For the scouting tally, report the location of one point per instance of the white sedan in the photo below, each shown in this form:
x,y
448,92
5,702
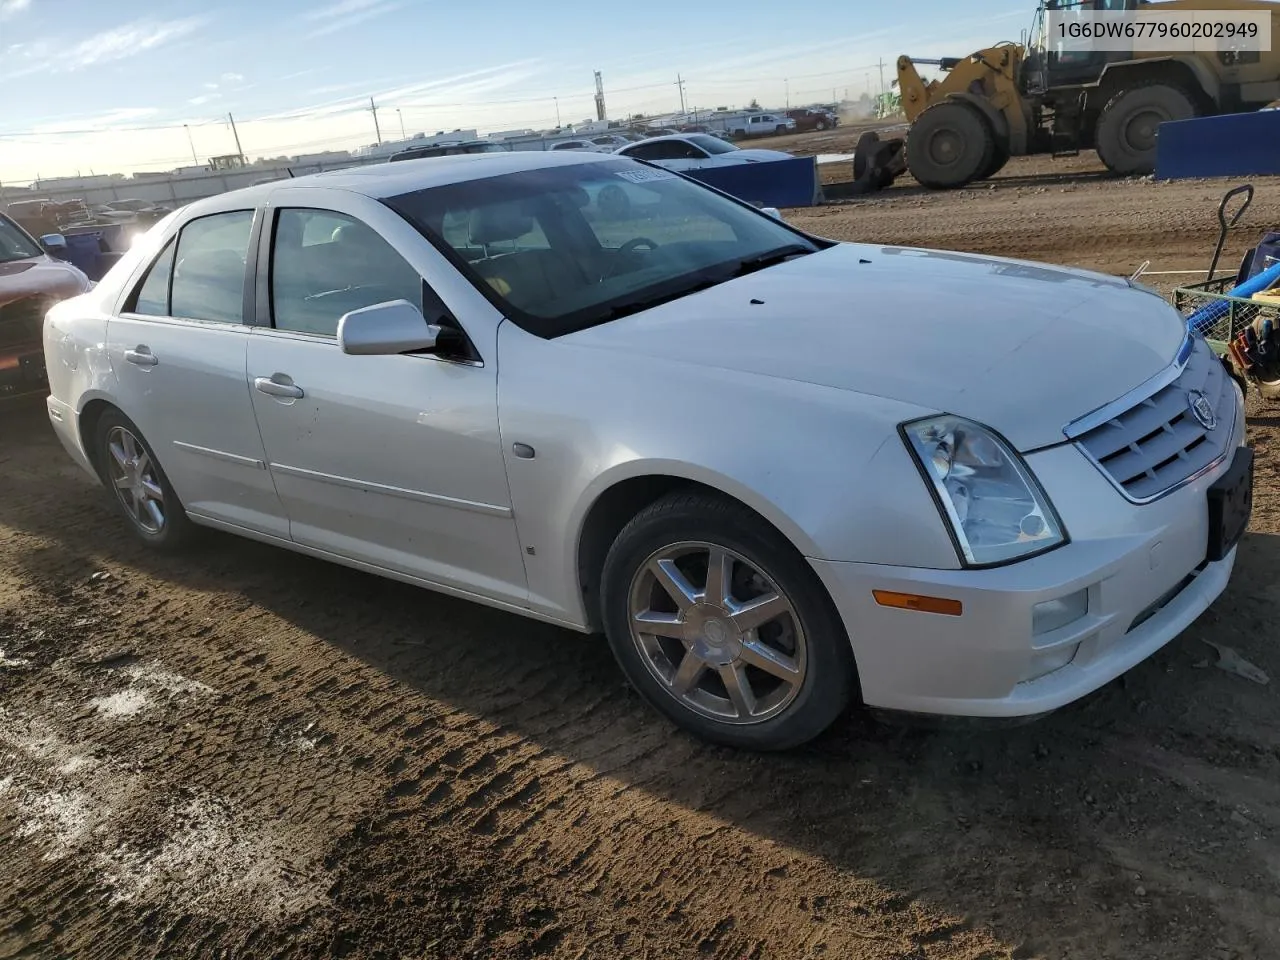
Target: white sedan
x,y
696,151
779,473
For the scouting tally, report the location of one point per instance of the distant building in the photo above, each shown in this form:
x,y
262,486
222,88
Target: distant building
x,y
77,183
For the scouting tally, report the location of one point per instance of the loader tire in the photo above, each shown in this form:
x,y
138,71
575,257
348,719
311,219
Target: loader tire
x,y
999,157
1127,128
950,145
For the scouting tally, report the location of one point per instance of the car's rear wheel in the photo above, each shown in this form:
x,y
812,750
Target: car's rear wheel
x,y
138,484
720,623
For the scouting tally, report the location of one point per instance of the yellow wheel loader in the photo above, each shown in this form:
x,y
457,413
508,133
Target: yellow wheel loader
x,y
1043,97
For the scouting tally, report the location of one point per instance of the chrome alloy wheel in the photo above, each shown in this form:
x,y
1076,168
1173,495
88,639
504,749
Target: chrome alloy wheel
x,y
717,632
133,477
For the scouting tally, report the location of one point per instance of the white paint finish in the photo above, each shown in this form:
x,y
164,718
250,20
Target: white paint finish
x,y
969,335
196,395
391,460
783,388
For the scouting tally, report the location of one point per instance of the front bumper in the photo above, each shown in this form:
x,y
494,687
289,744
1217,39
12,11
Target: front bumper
x,y
1142,567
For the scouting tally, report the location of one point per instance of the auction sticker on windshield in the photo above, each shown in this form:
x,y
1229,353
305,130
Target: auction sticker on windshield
x,y
645,176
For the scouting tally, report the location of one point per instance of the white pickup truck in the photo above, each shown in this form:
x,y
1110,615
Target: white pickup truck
x,y
760,125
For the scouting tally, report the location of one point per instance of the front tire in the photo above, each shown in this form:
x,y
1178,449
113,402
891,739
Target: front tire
x,y
722,625
1126,133
139,488
950,145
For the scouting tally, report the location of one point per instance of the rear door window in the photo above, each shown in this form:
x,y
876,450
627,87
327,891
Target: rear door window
x,y
209,268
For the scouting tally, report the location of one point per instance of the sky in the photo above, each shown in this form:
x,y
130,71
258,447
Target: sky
x,y
123,85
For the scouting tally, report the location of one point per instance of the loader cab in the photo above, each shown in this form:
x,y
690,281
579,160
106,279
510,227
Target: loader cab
x,y
1061,62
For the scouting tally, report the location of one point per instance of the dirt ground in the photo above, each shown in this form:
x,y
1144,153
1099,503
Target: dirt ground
x,y
246,753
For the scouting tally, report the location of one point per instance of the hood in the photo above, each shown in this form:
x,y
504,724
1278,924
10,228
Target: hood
x,y
40,276
752,155
1021,347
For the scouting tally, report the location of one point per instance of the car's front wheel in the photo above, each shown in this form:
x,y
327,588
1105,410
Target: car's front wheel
x,y
720,623
142,492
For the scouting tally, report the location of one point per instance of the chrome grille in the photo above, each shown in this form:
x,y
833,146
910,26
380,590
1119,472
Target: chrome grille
x,y
1158,443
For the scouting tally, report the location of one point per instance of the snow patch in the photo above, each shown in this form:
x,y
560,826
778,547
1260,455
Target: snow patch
x,y
126,703
152,675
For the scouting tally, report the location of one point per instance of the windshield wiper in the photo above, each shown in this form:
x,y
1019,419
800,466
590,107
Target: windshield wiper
x,y
628,307
710,278
752,264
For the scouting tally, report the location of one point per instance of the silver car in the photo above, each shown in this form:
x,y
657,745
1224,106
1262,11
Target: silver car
x,y
779,473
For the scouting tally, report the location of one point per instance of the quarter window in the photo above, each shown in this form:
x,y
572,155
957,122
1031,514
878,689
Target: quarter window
x,y
152,296
326,264
208,273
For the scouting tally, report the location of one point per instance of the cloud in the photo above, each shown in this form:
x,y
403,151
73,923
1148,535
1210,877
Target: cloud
x,y
341,9
203,99
232,78
346,14
100,121
11,8
118,43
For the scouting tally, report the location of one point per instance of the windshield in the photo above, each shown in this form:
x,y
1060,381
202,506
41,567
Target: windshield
x,y
713,145
15,244
567,247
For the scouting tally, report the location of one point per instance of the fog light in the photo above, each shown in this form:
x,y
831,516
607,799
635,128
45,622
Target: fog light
x,y
1044,662
1055,614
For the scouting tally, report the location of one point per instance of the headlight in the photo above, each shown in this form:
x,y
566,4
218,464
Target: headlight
x,y
994,505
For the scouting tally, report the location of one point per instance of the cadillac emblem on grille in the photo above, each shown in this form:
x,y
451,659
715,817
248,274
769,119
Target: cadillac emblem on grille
x,y
1202,409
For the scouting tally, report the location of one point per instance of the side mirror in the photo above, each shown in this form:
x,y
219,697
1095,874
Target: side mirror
x,y
385,329
54,244
772,212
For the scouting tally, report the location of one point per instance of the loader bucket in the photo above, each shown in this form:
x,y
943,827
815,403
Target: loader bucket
x,y
877,163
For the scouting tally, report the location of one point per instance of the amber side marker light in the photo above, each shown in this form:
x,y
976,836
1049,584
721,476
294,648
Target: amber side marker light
x,y
919,603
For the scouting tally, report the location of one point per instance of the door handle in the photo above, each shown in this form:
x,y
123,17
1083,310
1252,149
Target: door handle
x,y
142,356
274,387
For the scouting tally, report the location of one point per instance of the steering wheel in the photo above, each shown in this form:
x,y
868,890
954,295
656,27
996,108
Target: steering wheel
x,y
626,250
634,244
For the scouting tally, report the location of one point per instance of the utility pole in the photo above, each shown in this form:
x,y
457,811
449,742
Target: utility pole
x,y
557,100
882,76
234,133
376,129
787,81
191,141
680,84
403,135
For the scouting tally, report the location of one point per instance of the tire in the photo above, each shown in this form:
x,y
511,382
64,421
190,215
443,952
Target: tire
x,y
780,129
820,125
1126,132
120,450
809,678
863,152
999,157
949,146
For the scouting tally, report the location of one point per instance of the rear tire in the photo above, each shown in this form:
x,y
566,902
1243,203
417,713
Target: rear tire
x,y
684,641
1127,128
950,145
820,125
138,486
999,157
